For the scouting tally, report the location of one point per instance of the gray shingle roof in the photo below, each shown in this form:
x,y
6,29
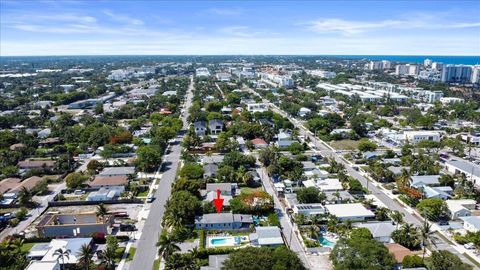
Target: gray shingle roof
x,y
466,166
117,171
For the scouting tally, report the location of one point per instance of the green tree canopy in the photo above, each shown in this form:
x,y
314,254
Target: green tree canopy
x,y
75,179
361,252
192,171
432,208
252,258
310,195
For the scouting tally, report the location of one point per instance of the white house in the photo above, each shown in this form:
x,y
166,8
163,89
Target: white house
x,y
304,112
419,181
381,231
266,237
329,184
471,170
471,224
421,135
349,211
309,209
257,107
46,252
39,265
460,208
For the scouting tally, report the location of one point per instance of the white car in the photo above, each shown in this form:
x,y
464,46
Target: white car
x,y
469,246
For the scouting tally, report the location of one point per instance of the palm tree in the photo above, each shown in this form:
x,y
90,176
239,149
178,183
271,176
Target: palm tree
x,y
315,219
25,196
337,196
425,233
15,244
102,211
313,231
403,180
85,255
107,257
397,217
167,246
195,258
61,254
332,223
171,220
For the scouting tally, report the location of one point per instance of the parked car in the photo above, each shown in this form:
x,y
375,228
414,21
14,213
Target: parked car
x,y
150,198
443,222
127,228
469,246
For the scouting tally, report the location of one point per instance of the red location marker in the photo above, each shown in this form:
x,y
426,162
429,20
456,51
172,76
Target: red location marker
x,y
218,202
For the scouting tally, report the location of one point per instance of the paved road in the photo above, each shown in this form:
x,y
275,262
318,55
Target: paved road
x,y
146,246
391,204
291,239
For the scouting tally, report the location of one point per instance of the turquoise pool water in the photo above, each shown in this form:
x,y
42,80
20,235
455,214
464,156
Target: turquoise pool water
x,y
326,243
224,241
218,241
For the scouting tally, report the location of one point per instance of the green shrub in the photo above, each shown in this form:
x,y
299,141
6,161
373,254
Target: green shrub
x,y
14,222
203,236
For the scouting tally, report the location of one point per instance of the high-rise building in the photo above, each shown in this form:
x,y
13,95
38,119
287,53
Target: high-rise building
x,y
437,65
427,62
407,69
457,74
476,74
384,64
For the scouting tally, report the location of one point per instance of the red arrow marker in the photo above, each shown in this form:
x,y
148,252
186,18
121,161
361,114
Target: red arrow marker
x,y
218,202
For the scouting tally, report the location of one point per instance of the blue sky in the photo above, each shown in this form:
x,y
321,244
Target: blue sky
x,y
239,27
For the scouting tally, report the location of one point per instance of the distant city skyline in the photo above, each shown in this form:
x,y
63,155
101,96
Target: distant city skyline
x,y
246,27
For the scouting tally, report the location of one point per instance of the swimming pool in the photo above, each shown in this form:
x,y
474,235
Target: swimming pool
x,y
223,241
326,243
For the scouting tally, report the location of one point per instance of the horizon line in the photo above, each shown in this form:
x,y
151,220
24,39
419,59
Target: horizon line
x,y
59,55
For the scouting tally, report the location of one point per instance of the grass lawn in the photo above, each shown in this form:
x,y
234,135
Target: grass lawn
x,y
156,264
119,254
27,246
344,144
143,193
248,190
131,253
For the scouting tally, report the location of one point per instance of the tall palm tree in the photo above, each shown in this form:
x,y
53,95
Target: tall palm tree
x,y
332,223
397,217
85,255
61,254
16,244
425,233
167,245
25,196
313,231
315,219
102,211
195,258
107,257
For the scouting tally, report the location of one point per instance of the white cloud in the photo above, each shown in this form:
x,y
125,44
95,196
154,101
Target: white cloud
x,y
225,11
348,27
412,21
123,18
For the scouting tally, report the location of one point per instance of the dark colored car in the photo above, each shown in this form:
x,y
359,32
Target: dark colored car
x,y
127,228
443,222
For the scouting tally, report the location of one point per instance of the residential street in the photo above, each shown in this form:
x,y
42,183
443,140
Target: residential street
x,y
391,204
146,245
287,230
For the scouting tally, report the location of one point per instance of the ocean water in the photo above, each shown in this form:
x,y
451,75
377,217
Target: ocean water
x,y
466,60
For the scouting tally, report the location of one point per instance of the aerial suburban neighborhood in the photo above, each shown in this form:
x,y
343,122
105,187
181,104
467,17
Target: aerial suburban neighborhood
x,y
142,161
